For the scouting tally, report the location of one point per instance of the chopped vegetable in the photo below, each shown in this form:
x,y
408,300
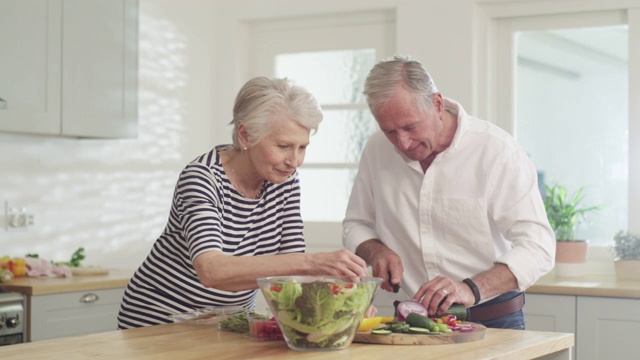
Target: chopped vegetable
x,y
369,323
76,259
239,322
407,307
418,330
381,332
418,320
264,329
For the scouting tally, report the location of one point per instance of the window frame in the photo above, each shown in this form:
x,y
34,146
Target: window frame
x,y
316,33
495,69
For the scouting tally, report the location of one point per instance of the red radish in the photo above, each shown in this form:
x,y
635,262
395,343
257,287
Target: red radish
x,y
407,307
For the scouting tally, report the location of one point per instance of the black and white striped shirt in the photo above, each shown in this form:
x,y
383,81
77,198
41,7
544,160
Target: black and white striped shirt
x,y
208,214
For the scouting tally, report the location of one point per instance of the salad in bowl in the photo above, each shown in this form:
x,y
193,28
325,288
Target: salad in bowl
x,y
319,313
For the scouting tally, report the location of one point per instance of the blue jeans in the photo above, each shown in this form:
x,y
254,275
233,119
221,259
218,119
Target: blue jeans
x,y
513,321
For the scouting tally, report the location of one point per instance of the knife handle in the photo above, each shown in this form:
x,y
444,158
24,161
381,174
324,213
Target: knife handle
x,y
395,287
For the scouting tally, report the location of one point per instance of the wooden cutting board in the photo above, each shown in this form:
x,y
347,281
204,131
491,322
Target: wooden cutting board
x,y
422,339
87,271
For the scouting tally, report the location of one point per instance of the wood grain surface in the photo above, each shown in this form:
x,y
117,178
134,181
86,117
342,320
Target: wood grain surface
x,y
89,271
45,285
423,339
201,340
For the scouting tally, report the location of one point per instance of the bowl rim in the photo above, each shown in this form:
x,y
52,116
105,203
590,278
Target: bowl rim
x,y
323,278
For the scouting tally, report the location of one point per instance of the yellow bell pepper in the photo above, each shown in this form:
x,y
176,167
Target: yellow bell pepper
x,y
19,267
369,323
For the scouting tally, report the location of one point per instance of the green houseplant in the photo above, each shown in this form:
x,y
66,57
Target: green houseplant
x,y
565,212
626,253
626,246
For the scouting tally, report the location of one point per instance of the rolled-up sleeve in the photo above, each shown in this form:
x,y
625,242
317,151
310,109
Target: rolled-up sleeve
x,y
518,210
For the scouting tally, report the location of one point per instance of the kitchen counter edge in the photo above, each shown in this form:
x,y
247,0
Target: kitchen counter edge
x,y
44,285
587,285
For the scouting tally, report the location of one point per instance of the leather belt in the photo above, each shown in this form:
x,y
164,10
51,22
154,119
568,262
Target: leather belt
x,y
493,311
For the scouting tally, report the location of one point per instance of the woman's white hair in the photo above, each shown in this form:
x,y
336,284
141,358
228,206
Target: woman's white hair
x,y
261,100
399,71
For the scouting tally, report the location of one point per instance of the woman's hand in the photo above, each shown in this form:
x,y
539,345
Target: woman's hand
x,y
338,263
371,312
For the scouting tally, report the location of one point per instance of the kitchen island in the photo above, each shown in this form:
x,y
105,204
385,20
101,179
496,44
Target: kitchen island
x,y
201,339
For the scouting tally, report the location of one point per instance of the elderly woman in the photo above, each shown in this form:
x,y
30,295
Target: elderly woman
x,y
235,214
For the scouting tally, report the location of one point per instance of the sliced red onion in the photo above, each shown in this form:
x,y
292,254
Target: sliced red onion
x,y
407,307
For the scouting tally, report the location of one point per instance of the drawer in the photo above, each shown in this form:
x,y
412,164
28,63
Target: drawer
x,y
76,313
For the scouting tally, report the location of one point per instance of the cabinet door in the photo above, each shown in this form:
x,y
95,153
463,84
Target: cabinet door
x,y
76,313
608,328
99,79
30,65
555,313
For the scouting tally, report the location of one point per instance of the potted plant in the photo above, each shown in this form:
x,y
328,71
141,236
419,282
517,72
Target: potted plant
x,y
565,213
626,252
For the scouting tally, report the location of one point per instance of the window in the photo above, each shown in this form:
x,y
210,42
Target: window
x,y
575,97
563,90
332,159
330,56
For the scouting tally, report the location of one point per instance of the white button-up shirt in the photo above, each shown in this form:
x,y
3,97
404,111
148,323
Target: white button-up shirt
x,y
477,204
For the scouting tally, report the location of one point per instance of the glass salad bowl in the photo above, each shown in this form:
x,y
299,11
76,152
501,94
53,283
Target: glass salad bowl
x,y
318,313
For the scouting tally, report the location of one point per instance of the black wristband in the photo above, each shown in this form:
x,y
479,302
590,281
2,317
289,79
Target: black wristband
x,y
474,289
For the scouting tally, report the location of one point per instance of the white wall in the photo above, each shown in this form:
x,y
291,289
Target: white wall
x,y
113,196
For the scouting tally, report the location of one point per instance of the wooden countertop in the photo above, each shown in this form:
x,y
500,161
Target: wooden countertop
x,y
201,339
44,285
588,285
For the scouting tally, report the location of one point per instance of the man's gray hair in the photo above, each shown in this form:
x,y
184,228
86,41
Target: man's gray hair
x,y
388,75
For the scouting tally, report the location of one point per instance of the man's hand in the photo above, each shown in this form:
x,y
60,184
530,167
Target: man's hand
x,y
385,263
438,294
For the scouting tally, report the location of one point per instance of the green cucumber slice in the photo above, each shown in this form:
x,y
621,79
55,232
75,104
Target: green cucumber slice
x,y
381,332
418,330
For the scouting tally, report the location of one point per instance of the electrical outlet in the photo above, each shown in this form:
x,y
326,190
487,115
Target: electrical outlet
x,y
17,217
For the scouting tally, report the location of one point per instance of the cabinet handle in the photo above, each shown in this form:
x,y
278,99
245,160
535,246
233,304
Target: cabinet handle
x,y
3,104
89,298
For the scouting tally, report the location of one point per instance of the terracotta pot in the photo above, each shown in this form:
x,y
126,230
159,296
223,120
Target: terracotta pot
x,y
571,257
571,251
627,269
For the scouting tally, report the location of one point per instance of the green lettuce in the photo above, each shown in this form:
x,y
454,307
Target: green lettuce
x,y
320,314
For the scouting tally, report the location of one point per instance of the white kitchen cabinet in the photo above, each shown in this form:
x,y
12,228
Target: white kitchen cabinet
x,y
605,328
74,313
556,313
608,328
71,68
30,66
